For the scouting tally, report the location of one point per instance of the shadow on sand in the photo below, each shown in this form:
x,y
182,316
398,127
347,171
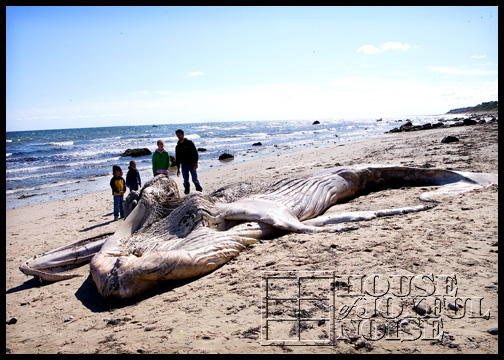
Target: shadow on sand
x,y
28,284
98,225
89,296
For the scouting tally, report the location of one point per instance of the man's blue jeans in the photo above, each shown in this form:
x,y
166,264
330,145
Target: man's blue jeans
x,y
118,209
186,169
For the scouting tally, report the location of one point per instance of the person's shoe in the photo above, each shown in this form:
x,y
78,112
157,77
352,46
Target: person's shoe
x,y
115,218
200,189
186,191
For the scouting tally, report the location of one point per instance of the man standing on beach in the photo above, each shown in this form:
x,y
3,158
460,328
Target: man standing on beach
x,y
187,157
160,160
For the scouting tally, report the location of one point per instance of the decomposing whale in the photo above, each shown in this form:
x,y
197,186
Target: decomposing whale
x,y
166,237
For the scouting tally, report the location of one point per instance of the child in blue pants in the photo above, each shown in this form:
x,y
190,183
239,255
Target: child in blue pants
x,y
133,180
118,185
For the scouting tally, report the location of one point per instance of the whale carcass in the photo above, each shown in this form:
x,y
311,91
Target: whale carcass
x,y
166,237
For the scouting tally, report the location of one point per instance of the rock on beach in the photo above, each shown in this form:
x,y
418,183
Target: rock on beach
x,y
136,152
226,156
449,139
472,120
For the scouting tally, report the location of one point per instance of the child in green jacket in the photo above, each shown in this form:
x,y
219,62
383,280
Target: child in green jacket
x,y
160,160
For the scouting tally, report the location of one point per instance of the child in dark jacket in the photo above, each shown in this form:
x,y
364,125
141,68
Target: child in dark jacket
x,y
133,180
118,186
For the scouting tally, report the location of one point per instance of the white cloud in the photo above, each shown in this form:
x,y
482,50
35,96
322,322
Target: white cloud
x,y
394,46
195,73
368,49
371,49
478,56
461,71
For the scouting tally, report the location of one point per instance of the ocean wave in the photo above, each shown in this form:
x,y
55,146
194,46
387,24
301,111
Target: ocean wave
x,y
40,153
90,153
75,164
12,159
237,128
21,178
39,187
216,140
60,143
89,162
34,168
207,127
192,136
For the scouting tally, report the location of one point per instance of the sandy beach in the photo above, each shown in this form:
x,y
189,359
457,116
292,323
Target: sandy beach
x,y
223,312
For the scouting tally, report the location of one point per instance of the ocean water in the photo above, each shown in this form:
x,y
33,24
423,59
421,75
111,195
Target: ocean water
x,y
49,165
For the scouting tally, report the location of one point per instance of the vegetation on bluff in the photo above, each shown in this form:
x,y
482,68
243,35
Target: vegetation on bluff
x,y
486,106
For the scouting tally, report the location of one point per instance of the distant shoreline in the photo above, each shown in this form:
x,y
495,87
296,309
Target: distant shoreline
x,y
477,113
484,107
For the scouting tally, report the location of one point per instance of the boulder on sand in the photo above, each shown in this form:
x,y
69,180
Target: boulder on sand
x,y
226,156
449,139
136,152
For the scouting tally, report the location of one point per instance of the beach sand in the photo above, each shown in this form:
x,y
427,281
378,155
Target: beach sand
x,y
223,312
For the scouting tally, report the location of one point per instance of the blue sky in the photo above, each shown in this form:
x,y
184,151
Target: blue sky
x,y
72,67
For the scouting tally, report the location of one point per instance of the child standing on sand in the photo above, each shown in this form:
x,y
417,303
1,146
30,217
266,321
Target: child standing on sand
x,y
118,186
133,180
160,160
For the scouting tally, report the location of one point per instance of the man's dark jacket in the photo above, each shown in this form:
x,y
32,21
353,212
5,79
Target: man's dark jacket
x,y
186,153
